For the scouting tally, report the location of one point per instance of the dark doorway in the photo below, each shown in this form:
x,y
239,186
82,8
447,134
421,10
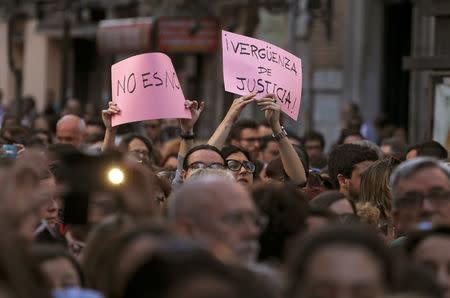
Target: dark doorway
x,y
84,65
397,44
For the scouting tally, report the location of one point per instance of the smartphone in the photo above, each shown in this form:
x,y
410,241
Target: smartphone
x,y
9,151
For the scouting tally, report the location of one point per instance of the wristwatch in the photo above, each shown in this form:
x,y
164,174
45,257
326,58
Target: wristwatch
x,y
277,137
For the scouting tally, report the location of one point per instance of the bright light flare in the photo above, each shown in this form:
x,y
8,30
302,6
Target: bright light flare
x,y
115,176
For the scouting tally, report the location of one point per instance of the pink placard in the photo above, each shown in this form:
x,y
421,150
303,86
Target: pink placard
x,y
251,65
146,87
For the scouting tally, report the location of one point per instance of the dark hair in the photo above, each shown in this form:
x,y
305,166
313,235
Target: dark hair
x,y
398,147
275,168
265,141
167,273
416,237
346,133
200,147
433,149
153,151
43,253
343,158
314,136
286,207
354,236
235,133
324,200
228,150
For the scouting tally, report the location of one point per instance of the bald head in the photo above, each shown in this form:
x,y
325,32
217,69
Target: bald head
x,y
70,129
215,209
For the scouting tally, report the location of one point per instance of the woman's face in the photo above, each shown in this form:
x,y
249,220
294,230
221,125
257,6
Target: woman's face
x,y
342,271
49,210
61,273
243,175
138,150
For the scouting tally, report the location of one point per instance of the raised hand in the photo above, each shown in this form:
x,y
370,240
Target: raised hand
x,y
107,114
272,109
188,124
238,105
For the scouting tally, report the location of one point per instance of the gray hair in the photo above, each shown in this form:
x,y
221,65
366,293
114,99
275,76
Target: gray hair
x,y
202,172
81,123
185,200
408,168
371,145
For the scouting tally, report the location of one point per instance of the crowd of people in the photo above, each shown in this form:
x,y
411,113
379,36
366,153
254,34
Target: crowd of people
x,y
147,209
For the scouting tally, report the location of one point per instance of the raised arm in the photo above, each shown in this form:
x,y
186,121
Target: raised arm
x,y
187,138
110,133
291,162
223,130
187,126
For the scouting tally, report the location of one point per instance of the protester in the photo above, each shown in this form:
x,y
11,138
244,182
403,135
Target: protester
x,y
430,248
341,261
420,193
314,144
346,163
60,269
70,129
239,163
335,202
234,224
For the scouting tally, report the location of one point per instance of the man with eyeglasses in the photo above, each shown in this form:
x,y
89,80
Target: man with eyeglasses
x,y
218,212
202,156
420,192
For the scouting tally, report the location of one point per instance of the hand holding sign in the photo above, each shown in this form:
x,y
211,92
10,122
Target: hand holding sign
x,y
187,125
238,105
251,65
146,87
271,108
109,113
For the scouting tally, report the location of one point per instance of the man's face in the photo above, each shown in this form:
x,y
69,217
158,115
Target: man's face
x,y
68,134
352,184
313,148
208,157
230,220
250,141
153,128
425,196
270,152
433,253
341,271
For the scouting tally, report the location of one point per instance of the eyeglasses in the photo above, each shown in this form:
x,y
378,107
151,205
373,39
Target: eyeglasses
x,y
413,201
237,219
251,140
236,165
202,165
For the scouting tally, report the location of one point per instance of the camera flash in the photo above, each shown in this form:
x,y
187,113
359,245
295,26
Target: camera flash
x,y
116,176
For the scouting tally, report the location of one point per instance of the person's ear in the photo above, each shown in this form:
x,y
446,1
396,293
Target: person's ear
x,y
184,175
342,181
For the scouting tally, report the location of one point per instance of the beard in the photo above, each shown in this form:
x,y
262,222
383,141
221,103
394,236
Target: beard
x,y
353,193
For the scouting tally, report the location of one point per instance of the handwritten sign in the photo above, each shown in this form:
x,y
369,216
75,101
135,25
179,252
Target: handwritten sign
x,y
146,87
251,65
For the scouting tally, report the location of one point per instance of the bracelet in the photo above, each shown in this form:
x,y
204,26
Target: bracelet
x,y
277,137
187,136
